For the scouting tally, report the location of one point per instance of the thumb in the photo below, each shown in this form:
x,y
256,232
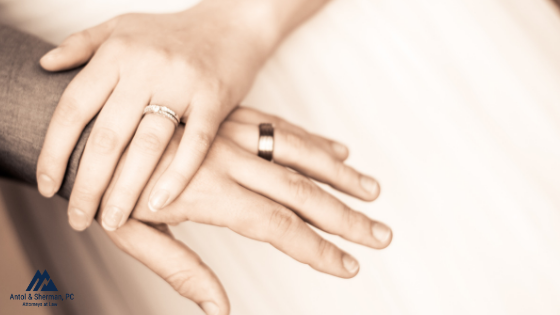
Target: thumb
x,y
177,264
77,48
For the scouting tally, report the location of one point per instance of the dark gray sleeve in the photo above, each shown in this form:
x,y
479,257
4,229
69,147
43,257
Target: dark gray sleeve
x,y
28,97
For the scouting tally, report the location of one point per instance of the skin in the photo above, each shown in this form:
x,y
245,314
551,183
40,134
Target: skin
x,y
200,63
277,207
201,68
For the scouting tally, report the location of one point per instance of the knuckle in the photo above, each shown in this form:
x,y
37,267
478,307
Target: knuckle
x,y
182,281
162,55
354,225
282,221
178,178
295,141
325,252
118,44
215,85
301,188
349,218
277,121
324,248
125,192
201,141
341,171
83,194
148,142
49,163
68,112
104,140
83,36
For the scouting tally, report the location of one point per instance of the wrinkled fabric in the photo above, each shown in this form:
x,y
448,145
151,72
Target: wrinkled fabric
x,y
28,97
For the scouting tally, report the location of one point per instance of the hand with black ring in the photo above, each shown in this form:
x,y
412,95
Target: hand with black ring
x,y
274,202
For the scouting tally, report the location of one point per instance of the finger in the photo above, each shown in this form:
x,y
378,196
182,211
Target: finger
x,y
246,213
79,103
254,216
142,203
112,131
77,48
311,202
305,155
199,134
175,263
265,220
144,152
248,115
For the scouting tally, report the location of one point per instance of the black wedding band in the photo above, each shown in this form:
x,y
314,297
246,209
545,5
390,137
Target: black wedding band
x,y
266,141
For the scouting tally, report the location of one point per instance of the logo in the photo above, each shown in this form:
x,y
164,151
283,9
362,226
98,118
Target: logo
x,y
43,281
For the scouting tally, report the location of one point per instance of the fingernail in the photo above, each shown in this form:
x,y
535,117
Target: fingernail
x,y
78,219
350,263
112,218
369,184
158,200
340,148
381,232
46,186
210,308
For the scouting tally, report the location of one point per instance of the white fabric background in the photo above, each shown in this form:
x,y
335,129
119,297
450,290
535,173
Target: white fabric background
x,y
452,104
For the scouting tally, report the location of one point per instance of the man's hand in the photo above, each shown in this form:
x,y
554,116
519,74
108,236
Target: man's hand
x,y
266,201
155,247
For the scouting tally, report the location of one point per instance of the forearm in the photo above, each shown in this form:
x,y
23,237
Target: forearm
x,y
28,97
270,21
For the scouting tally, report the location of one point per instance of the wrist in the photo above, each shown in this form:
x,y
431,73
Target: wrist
x,y
265,22
250,21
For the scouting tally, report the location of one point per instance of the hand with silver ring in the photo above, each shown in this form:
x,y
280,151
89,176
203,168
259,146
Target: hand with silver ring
x,y
268,202
198,64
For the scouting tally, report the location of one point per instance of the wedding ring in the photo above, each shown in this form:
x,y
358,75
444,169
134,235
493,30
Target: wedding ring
x,y
266,141
162,111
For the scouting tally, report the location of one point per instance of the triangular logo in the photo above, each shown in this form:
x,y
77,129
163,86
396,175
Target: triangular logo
x,y
39,282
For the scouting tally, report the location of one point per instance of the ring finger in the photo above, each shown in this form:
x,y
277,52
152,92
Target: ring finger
x,y
305,155
248,115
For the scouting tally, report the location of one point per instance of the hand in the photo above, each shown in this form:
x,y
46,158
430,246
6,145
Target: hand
x,y
199,63
258,199
268,202
155,247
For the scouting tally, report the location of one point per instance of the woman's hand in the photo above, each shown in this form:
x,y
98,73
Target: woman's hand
x,y
199,63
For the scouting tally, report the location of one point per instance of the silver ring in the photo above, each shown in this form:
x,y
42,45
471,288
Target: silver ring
x,y
266,141
162,111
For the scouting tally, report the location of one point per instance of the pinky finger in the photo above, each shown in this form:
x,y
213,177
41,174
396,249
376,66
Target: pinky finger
x,y
175,263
